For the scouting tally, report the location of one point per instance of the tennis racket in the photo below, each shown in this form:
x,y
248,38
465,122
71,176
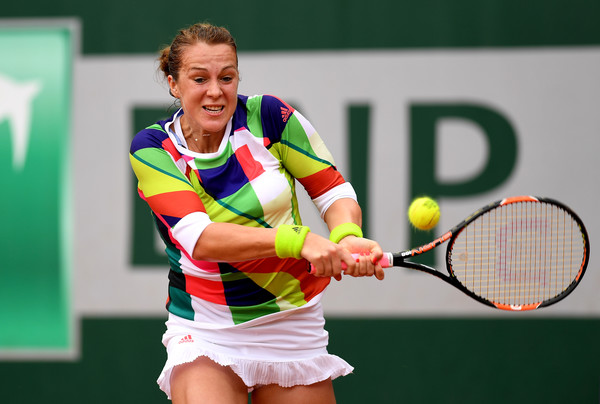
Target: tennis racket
x,y
519,253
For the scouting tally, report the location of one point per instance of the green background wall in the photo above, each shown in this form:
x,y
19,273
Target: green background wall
x,y
114,26
397,360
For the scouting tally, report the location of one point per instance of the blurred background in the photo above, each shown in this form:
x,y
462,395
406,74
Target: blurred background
x,y
468,101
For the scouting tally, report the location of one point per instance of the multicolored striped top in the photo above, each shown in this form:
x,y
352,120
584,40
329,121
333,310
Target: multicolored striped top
x,y
249,181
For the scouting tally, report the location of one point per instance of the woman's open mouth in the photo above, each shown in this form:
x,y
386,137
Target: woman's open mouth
x,y
213,109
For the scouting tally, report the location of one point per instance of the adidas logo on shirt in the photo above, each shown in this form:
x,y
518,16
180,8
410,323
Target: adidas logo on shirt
x,y
285,114
187,338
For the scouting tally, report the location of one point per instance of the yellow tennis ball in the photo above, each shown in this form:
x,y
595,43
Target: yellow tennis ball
x,y
424,213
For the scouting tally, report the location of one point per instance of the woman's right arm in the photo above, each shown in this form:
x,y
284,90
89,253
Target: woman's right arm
x,y
174,201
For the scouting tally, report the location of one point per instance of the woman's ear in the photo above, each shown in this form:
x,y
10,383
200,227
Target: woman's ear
x,y
173,90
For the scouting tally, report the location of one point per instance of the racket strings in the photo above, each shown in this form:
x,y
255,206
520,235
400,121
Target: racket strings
x,y
519,254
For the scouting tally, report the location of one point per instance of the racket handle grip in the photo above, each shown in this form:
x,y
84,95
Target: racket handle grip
x,y
386,261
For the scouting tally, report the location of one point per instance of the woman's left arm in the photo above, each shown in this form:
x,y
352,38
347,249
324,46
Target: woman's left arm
x,y
305,156
347,210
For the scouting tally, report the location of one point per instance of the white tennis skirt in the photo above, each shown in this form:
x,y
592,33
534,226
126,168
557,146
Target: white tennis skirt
x,y
287,348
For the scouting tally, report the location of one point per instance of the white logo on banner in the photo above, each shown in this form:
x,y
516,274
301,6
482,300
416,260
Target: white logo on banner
x,y
16,101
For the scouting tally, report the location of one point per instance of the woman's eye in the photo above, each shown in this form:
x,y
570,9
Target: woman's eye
x,y
199,80
227,79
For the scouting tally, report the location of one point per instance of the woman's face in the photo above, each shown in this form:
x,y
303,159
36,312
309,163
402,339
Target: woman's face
x,y
207,87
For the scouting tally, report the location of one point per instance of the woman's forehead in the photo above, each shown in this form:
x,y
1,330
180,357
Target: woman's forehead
x,y
202,53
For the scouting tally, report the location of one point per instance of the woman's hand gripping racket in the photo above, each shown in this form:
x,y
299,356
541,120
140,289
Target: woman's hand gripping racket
x,y
520,253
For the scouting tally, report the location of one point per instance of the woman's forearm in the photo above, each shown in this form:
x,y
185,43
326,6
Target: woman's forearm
x,y
343,211
232,242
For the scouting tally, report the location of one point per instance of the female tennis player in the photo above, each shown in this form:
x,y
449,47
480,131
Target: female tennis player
x,y
219,176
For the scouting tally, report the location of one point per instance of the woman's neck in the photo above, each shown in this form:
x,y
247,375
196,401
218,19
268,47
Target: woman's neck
x,y
200,141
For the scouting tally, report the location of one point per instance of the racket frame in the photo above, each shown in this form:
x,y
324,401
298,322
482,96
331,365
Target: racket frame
x,y
400,259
